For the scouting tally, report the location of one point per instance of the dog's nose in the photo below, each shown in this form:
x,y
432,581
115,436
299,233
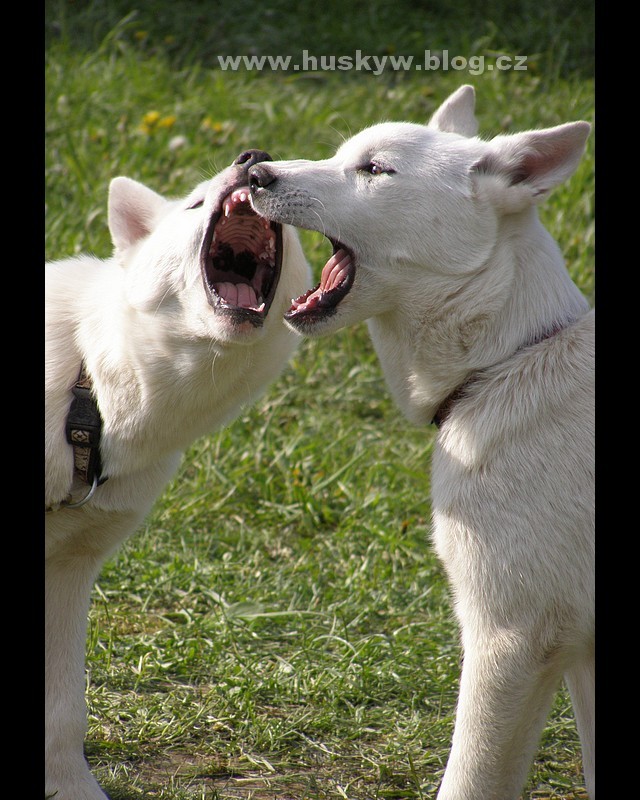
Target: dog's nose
x,y
260,176
251,157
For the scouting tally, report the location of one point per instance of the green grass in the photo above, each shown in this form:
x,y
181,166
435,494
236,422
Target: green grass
x,y
280,626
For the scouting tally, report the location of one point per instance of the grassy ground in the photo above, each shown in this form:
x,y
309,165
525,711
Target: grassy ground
x,y
280,627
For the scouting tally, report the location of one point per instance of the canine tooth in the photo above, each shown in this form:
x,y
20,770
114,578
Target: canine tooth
x,y
227,208
243,197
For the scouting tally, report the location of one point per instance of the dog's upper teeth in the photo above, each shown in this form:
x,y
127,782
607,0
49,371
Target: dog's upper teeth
x,y
268,252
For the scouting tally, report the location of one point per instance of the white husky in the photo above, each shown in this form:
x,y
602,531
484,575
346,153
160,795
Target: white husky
x,y
175,333
478,327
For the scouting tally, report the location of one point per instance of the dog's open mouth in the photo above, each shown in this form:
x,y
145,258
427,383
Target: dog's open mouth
x,y
335,283
241,259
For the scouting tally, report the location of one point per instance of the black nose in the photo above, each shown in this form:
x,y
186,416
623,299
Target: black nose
x,y
259,177
251,157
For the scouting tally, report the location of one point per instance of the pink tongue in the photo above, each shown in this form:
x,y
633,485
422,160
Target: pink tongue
x,y
333,273
335,270
237,294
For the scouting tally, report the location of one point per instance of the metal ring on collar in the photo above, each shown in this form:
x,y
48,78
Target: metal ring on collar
x,y
84,499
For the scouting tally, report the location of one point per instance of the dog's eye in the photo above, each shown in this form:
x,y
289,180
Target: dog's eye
x,y
373,168
197,204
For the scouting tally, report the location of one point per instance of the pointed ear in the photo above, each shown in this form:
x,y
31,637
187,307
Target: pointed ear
x,y
457,113
529,165
133,208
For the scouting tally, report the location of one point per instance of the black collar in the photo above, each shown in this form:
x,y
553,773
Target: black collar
x,y
84,426
445,408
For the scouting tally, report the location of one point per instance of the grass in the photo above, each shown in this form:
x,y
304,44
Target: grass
x,y
280,626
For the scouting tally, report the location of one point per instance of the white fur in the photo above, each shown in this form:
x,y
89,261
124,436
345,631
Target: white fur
x,y
457,278
166,369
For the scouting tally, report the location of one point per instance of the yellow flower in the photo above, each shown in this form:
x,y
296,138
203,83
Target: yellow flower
x,y
167,122
152,121
209,124
151,118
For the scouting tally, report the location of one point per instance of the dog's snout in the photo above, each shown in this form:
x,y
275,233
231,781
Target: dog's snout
x,y
251,157
260,176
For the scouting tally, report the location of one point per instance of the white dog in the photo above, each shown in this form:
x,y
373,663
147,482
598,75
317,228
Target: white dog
x,y
173,335
478,327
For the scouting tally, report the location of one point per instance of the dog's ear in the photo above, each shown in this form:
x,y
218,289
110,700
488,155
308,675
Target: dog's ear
x,y
132,210
527,166
457,113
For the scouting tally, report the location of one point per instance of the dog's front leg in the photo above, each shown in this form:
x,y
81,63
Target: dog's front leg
x,y
581,681
69,579
506,692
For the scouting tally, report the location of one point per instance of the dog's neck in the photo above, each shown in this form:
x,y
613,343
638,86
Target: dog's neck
x,y
141,372
428,347
446,407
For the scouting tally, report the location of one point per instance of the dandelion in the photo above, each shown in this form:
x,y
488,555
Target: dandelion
x,y
167,122
209,125
153,121
149,121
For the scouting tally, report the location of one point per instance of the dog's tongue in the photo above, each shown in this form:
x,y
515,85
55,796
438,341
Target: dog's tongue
x,y
241,295
334,272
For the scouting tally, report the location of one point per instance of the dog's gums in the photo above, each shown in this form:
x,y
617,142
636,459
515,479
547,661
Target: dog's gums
x,y
242,255
336,281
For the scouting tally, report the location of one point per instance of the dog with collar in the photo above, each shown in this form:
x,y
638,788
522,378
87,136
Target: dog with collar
x,y
478,326
146,351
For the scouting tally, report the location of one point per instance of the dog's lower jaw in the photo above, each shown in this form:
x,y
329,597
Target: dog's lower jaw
x,y
313,327
233,328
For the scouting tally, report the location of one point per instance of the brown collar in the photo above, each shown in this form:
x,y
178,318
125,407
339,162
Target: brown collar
x,y
446,407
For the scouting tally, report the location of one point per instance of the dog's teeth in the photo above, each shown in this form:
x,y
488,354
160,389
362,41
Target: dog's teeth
x,y
227,209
